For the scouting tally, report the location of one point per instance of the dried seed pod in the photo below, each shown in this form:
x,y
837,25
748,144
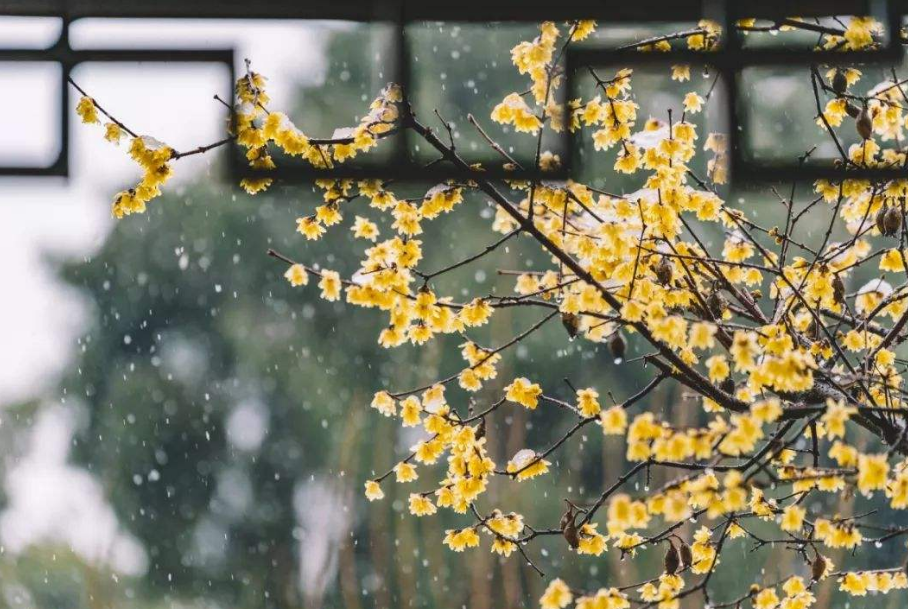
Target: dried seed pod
x,y
618,347
839,82
571,323
728,386
717,304
481,429
672,560
569,528
567,516
892,221
664,271
878,219
818,568
687,556
864,124
571,536
838,289
853,111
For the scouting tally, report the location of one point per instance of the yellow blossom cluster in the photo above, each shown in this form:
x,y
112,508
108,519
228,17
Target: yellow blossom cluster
x,y
150,154
794,366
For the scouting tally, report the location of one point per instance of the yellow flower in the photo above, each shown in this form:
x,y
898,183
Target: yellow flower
x,y
766,411
792,518
433,398
330,285
628,160
373,491
557,595
766,599
613,421
855,341
255,185
526,464
503,547
588,402
405,472
583,29
421,505
835,417
113,132
897,491
384,403
297,275
513,110
524,393
872,472
458,540
855,584
410,410
693,103
718,368
701,335
506,525
892,261
309,228
87,110
476,313
624,514
744,351
364,229
736,531
328,215
859,33
681,72
419,333
469,380
591,542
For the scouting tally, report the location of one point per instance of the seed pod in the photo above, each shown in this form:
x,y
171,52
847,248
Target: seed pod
x,y
728,386
717,304
569,528
818,568
672,560
853,111
481,429
839,82
567,516
687,557
571,323
838,289
878,219
892,221
664,271
618,347
864,124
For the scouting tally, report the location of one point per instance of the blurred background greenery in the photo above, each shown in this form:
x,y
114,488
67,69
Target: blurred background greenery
x,y
225,414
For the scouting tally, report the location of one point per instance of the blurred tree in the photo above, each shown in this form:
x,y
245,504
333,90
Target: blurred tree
x,y
221,406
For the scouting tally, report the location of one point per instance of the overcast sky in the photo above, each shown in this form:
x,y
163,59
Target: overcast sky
x,y
42,217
